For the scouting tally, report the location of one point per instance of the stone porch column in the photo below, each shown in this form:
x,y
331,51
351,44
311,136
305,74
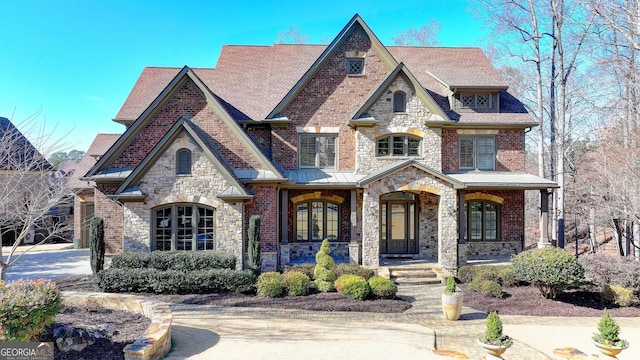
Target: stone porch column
x,y
285,256
448,231
370,230
544,219
462,230
354,246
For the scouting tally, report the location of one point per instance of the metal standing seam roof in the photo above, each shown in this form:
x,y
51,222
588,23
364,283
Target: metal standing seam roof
x,y
502,180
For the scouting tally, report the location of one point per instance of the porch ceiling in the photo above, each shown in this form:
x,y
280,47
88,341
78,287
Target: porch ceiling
x,y
476,180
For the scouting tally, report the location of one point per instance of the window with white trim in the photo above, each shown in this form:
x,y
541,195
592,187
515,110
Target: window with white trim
x,y
477,152
183,162
317,220
317,151
398,145
475,100
482,220
183,227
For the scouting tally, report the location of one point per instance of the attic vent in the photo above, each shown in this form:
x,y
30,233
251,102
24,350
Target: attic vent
x,y
355,66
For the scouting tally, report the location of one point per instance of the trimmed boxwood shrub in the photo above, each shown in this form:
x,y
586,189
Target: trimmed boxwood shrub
x,y
306,269
175,282
618,295
174,260
297,283
488,288
551,270
27,307
502,274
323,274
270,284
341,269
353,287
382,288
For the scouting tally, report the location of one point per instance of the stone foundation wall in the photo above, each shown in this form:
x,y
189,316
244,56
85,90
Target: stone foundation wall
x,y
309,249
485,250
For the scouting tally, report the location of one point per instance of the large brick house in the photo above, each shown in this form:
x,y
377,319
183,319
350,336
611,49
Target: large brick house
x,y
385,151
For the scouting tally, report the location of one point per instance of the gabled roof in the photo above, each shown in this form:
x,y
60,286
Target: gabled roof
x,y
128,187
16,150
98,147
185,74
401,165
354,23
401,70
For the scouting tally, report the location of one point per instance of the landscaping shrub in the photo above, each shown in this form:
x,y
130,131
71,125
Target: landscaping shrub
x,y
382,288
27,307
253,250
352,286
306,269
297,283
502,274
174,260
323,274
341,269
96,244
551,270
175,282
606,270
488,288
467,273
618,295
270,284
130,260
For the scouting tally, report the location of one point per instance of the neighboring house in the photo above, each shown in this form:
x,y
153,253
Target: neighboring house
x,y
83,203
385,151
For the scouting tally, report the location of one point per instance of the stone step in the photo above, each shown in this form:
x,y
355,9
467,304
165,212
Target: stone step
x,y
415,280
413,273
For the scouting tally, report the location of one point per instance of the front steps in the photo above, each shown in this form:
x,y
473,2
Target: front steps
x,y
412,274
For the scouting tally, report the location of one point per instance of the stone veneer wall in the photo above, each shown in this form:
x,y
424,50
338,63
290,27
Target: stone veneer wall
x,y
428,224
411,179
410,122
164,187
489,250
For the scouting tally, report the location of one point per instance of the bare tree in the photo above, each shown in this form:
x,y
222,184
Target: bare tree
x,y
31,192
426,35
292,36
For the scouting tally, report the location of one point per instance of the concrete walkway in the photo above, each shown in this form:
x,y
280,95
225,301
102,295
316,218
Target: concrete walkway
x,y
207,332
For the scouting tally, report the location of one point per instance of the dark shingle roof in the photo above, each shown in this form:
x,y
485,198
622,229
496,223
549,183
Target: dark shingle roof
x,y
16,150
98,147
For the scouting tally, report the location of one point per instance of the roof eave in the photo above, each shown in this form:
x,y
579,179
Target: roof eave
x,y
477,125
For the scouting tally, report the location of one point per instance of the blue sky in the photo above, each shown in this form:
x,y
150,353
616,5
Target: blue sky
x,y
77,60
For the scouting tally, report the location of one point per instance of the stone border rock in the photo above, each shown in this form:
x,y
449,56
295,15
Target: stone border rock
x,y
156,340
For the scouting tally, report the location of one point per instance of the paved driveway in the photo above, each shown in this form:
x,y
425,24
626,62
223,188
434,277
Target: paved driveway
x,y
49,264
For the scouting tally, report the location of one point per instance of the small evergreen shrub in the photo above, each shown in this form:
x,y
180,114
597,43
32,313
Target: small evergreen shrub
x,y
96,244
323,274
609,332
493,331
382,288
488,288
130,260
270,284
341,269
306,269
551,270
502,274
27,307
297,283
450,286
618,295
467,273
174,260
606,270
253,250
352,287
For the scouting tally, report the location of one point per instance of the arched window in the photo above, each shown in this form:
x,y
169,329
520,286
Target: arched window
x,y
399,101
317,220
183,162
483,220
183,227
398,145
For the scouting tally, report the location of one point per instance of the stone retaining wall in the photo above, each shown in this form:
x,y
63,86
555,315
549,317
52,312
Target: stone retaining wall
x,y
156,340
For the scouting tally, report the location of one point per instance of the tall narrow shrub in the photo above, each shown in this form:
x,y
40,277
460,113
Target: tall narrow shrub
x,y
324,276
255,262
96,244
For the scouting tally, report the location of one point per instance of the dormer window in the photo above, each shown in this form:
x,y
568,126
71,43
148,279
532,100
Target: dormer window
x,y
355,66
476,101
183,162
399,101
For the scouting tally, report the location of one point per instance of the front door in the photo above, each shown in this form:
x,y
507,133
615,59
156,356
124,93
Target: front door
x,y
398,223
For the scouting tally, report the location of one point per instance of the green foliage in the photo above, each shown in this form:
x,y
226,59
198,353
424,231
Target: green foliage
x,y
96,244
341,269
297,283
353,287
253,250
551,270
609,332
618,295
450,286
270,284
174,260
149,280
382,288
493,331
488,288
323,274
306,269
502,274
27,308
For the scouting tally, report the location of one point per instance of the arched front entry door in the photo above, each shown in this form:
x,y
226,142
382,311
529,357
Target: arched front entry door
x,y
398,227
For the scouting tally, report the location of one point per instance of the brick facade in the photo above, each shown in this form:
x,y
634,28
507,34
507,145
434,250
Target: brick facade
x,y
111,212
510,150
